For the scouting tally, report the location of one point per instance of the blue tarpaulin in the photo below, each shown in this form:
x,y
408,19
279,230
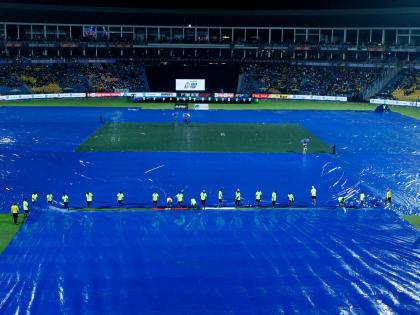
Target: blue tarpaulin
x,y
374,152
212,262
255,262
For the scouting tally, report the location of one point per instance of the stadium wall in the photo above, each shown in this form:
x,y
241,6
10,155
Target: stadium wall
x,y
394,102
223,96
160,95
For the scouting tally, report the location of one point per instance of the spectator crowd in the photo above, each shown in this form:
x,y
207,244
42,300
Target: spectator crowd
x,y
72,78
283,78
307,80
404,86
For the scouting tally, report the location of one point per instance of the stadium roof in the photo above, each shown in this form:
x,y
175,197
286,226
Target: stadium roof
x,y
383,13
245,5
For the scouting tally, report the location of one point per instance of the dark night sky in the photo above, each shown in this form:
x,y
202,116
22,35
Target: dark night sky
x,y
246,5
339,13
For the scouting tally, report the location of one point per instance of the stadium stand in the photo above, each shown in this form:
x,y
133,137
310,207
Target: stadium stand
x,y
285,78
307,80
71,78
112,77
10,83
405,86
39,78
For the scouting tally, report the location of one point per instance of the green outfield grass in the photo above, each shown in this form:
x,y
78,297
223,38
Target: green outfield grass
x,y
412,112
125,102
8,229
413,220
261,105
196,137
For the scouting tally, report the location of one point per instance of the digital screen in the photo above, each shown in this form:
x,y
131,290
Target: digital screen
x,y
190,84
89,31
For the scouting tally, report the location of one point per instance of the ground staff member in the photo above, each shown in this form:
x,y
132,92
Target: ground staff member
x,y
89,199
313,195
388,197
155,198
237,198
34,197
65,199
15,212
179,198
291,198
362,199
50,198
169,202
220,197
193,203
25,206
120,198
186,118
274,198
258,194
203,198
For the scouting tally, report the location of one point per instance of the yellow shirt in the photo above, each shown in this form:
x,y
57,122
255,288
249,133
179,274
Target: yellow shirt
x,y
89,196
120,197
155,196
203,196
14,209
65,198
313,192
179,197
273,196
258,195
25,205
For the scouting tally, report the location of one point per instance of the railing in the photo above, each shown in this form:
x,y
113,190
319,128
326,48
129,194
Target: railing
x,y
368,92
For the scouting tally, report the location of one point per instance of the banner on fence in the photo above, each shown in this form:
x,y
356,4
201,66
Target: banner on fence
x,y
201,106
301,97
394,102
40,96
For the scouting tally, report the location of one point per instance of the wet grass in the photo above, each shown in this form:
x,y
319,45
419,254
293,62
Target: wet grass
x,y
174,137
8,229
261,105
413,220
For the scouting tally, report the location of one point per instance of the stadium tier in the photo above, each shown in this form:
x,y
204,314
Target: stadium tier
x,y
309,80
71,77
312,78
358,62
405,86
